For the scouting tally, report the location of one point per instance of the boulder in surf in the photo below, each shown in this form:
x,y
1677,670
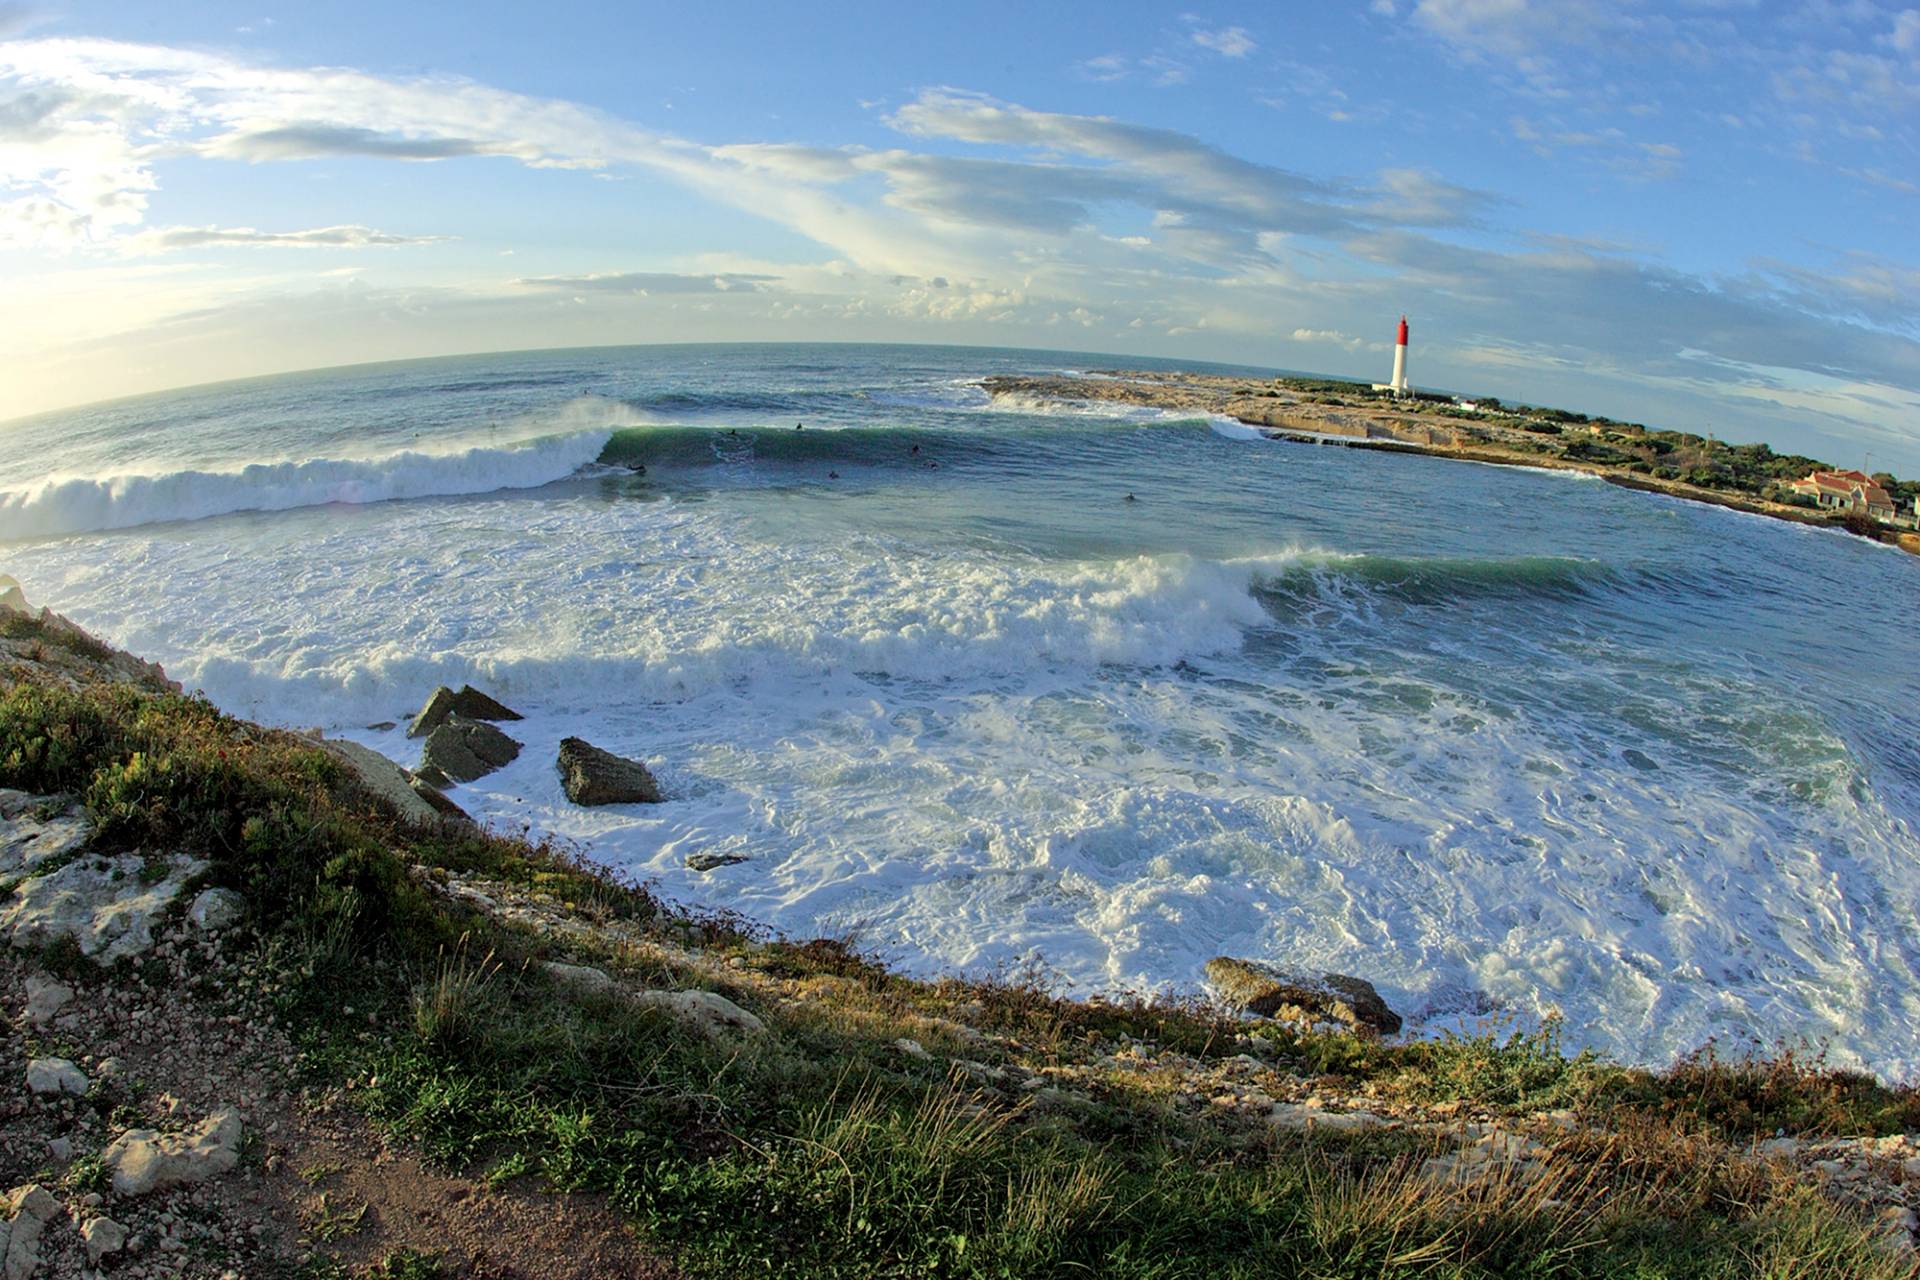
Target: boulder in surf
x,y
591,776
1311,998
469,702
462,750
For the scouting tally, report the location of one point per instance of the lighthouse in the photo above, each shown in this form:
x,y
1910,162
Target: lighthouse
x,y
1399,384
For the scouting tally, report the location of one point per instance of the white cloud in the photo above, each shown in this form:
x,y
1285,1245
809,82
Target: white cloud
x,y
1905,36
1231,42
164,239
648,283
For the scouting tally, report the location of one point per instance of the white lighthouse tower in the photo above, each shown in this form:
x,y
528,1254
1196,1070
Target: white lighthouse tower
x,y
1399,384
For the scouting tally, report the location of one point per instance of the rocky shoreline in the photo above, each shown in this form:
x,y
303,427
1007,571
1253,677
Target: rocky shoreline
x,y
196,1083
1360,420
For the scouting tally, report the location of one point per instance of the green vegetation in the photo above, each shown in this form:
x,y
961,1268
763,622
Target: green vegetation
x,y
39,635
820,1149
1749,470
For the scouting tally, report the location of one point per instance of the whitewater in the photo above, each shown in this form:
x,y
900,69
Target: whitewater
x,y
1107,691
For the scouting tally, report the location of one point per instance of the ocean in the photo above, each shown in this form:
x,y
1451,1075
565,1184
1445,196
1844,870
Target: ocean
x,y
1094,692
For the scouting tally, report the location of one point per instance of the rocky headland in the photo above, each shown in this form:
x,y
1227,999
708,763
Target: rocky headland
x,y
1307,411
273,1012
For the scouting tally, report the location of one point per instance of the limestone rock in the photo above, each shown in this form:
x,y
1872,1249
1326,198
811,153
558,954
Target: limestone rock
x,y
1301,997
579,976
29,1209
1297,1117
385,780
12,598
142,1160
713,861
713,1014
463,750
216,909
103,1236
106,905
46,997
56,1075
592,776
469,702
35,830
913,1049
1488,1154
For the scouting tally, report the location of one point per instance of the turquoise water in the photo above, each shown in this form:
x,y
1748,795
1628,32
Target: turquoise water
x,y
1495,739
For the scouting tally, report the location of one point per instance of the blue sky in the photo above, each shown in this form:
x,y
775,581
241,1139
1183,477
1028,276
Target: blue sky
x,y
1698,214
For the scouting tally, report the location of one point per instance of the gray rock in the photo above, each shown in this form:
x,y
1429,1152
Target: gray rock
x,y
46,997
385,780
469,702
579,976
711,861
12,598
463,749
60,1149
1301,997
446,808
438,706
104,904
56,1076
143,1160
216,909
103,1236
28,840
29,1209
592,776
716,1016
913,1049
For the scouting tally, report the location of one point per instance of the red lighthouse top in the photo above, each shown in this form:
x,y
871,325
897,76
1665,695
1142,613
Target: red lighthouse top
x,y
1401,340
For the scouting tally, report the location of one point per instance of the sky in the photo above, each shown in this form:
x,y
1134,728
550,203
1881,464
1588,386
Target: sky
x,y
1702,214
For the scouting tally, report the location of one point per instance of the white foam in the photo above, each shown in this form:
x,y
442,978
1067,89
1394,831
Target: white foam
x,y
1234,429
1124,764
81,505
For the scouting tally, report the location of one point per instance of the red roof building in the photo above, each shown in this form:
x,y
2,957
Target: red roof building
x,y
1846,491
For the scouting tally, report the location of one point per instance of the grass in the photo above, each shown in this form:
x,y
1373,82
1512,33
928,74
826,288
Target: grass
x,y
819,1150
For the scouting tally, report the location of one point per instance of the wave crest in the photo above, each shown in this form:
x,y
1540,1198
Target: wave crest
x,y
574,436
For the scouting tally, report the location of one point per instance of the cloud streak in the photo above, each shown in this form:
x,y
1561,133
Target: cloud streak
x,y
167,239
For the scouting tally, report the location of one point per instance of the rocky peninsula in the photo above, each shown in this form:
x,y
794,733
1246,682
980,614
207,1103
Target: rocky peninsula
x,y
1749,478
270,1014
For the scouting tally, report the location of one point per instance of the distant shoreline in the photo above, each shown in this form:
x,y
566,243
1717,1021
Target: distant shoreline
x,y
1349,416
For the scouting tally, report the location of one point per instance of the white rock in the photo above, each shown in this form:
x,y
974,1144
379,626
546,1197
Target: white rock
x,y
1296,1117
714,1014
101,903
913,1049
31,1207
217,909
27,841
56,1075
103,1236
45,998
142,1160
